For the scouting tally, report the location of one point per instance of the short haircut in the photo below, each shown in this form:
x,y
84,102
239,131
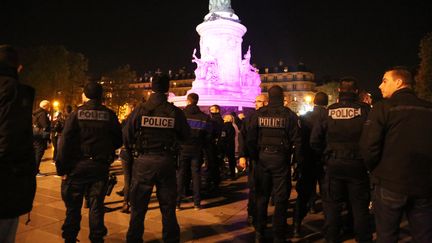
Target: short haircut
x,y
403,73
348,84
216,106
275,91
321,98
193,98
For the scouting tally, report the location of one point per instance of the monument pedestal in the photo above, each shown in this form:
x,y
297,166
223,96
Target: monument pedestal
x,y
222,77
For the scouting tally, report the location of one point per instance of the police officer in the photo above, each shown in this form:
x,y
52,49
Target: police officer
x,y
345,173
86,149
212,153
260,101
271,135
152,131
311,171
226,144
191,149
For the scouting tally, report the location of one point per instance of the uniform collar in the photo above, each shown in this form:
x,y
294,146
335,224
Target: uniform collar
x,y
192,109
403,91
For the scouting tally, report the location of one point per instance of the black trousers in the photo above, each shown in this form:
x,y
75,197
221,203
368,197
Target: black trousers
x,y
251,206
389,207
151,170
335,191
39,145
306,189
73,191
214,162
189,162
126,172
272,173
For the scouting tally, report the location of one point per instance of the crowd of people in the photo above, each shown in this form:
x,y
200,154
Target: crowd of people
x,y
357,154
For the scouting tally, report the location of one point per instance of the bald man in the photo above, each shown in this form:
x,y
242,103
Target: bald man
x,y
260,101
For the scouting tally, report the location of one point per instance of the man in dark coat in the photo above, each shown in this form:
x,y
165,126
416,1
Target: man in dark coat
x,y
41,131
17,161
345,174
260,101
152,131
212,152
312,170
227,144
86,150
272,134
191,150
396,145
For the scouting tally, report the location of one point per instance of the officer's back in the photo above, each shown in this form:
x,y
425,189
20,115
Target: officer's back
x,y
338,136
345,174
86,150
199,123
90,135
271,134
153,131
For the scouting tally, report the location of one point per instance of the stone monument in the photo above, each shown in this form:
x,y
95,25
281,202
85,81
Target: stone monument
x,y
222,77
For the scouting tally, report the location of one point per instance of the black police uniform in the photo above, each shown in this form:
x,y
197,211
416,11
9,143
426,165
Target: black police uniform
x,y
311,170
243,152
345,172
40,141
86,149
271,135
226,146
212,153
152,131
191,152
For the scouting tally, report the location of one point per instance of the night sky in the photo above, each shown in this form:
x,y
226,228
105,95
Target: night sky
x,y
355,38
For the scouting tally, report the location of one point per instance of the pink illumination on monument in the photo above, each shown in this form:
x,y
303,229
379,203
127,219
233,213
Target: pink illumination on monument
x,y
222,76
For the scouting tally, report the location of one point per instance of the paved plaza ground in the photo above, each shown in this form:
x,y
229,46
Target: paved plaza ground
x,y
222,219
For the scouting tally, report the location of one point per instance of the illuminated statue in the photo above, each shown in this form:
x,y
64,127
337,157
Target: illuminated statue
x,y
250,78
220,6
207,68
246,66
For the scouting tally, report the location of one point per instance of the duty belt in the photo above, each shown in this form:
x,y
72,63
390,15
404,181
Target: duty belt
x,y
152,151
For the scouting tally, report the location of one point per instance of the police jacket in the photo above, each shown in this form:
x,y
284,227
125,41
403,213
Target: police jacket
x,y
216,126
397,144
17,161
88,142
338,136
155,127
274,127
200,132
42,122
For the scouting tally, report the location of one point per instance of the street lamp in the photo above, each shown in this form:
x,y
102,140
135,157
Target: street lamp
x,y
56,105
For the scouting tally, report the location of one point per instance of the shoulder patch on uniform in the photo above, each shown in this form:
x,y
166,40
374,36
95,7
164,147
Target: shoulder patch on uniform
x,y
157,122
197,124
344,113
272,122
93,115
